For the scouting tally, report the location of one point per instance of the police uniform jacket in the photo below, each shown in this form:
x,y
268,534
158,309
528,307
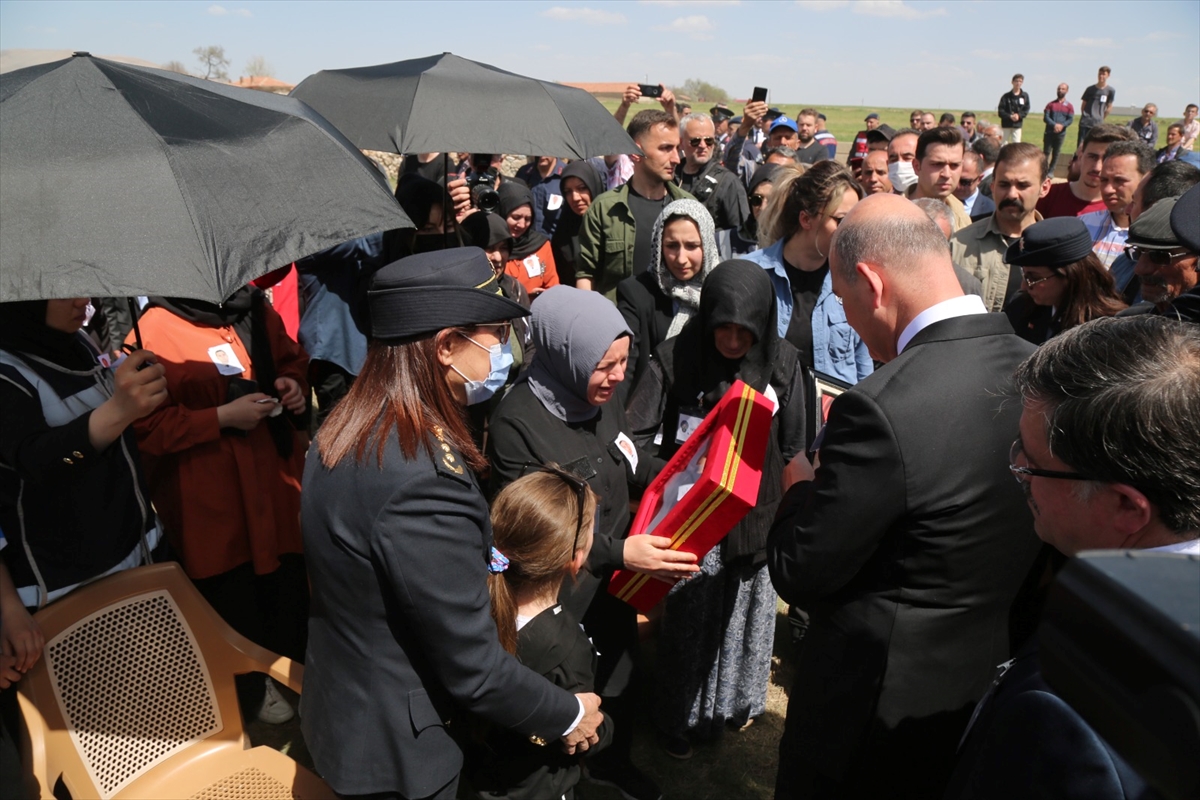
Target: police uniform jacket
x,y
400,632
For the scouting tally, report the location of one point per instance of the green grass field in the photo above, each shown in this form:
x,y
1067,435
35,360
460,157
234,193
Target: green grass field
x,y
845,121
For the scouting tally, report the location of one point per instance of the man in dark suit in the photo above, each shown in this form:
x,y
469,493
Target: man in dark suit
x,y
909,544
1085,397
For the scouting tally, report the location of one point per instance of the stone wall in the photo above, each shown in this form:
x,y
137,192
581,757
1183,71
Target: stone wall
x,y
390,162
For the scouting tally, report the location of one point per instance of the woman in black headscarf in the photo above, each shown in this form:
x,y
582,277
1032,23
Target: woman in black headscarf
x,y
714,647
580,185
530,261
73,502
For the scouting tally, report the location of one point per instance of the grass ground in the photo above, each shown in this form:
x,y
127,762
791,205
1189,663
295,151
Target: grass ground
x,y
739,766
845,121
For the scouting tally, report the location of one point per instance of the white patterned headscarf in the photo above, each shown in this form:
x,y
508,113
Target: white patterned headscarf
x,y
686,292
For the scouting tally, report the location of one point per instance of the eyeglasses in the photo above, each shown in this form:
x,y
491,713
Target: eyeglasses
x,y
708,141
575,482
1159,258
503,334
1035,281
757,200
1021,473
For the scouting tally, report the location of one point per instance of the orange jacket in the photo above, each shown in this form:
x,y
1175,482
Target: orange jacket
x,y
536,272
224,499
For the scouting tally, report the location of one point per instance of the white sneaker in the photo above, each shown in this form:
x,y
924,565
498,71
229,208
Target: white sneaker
x,y
274,710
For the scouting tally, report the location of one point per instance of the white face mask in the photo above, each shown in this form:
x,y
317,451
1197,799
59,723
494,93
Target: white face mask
x,y
902,175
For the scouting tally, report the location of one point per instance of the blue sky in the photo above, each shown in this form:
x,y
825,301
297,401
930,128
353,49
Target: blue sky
x,y
838,52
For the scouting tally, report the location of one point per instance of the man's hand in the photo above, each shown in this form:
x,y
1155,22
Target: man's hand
x,y
751,115
797,471
8,672
1014,117
460,197
585,734
653,556
1057,128
632,95
668,101
289,395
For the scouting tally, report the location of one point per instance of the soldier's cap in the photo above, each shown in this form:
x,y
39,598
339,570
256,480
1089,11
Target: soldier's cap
x,y
1055,243
1185,219
1152,230
424,293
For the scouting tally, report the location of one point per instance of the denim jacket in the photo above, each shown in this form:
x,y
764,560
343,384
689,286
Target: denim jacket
x,y
837,349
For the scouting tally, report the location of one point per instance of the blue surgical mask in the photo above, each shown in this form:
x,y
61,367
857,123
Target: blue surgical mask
x,y
501,359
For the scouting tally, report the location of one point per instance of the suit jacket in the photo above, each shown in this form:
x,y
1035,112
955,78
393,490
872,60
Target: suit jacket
x,y
983,207
1028,742
400,628
906,550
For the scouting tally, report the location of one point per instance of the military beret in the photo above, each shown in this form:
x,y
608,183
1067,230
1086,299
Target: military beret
x,y
1185,219
427,292
1152,230
1055,243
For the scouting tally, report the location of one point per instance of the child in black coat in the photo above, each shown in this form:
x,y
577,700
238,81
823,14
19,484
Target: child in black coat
x,y
542,532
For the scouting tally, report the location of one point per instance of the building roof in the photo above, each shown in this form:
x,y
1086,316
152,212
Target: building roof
x,y
263,82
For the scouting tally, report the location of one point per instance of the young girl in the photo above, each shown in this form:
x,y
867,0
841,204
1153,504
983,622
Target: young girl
x,y
542,531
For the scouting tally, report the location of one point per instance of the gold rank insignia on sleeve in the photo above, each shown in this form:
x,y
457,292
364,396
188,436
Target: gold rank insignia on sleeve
x,y
448,459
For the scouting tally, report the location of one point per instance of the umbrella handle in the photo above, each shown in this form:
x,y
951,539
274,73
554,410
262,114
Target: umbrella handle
x,y
135,312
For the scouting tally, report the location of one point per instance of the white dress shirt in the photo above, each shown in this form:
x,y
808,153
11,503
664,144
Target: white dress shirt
x,y
947,309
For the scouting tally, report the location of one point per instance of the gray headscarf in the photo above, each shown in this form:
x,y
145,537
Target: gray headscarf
x,y
573,330
686,292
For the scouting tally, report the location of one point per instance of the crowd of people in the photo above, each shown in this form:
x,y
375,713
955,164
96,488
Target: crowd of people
x,y
496,386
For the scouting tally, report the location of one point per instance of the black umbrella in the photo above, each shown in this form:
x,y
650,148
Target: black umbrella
x,y
118,180
449,104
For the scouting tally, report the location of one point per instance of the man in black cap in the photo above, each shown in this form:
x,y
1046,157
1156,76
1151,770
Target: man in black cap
x,y
721,114
1167,263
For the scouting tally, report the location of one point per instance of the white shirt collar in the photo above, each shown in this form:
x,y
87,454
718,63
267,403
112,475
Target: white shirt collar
x,y
1191,548
947,309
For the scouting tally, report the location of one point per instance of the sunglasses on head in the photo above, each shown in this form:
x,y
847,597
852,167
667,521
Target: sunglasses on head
x,y
575,482
708,141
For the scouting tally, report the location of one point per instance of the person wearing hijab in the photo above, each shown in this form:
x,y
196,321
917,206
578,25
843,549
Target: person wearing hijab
x,y
531,261
565,411
580,185
223,459
658,302
718,629
73,501
758,193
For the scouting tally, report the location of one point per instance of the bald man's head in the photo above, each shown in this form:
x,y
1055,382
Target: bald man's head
x,y
889,231
889,262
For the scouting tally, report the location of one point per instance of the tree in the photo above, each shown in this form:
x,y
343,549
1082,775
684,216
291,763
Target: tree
x,y
176,66
702,91
213,61
258,67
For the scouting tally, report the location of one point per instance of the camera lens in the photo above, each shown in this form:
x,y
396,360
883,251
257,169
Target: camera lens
x,y
485,198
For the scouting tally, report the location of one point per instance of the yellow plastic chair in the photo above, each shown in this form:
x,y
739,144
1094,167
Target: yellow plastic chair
x,y
134,698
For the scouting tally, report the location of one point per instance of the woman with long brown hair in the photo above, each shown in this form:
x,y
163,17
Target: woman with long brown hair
x,y
1063,283
399,546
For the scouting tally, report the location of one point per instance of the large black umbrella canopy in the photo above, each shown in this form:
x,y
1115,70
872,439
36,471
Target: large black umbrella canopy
x,y
118,180
450,104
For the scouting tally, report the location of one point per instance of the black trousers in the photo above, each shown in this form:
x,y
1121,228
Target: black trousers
x,y
270,610
330,384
